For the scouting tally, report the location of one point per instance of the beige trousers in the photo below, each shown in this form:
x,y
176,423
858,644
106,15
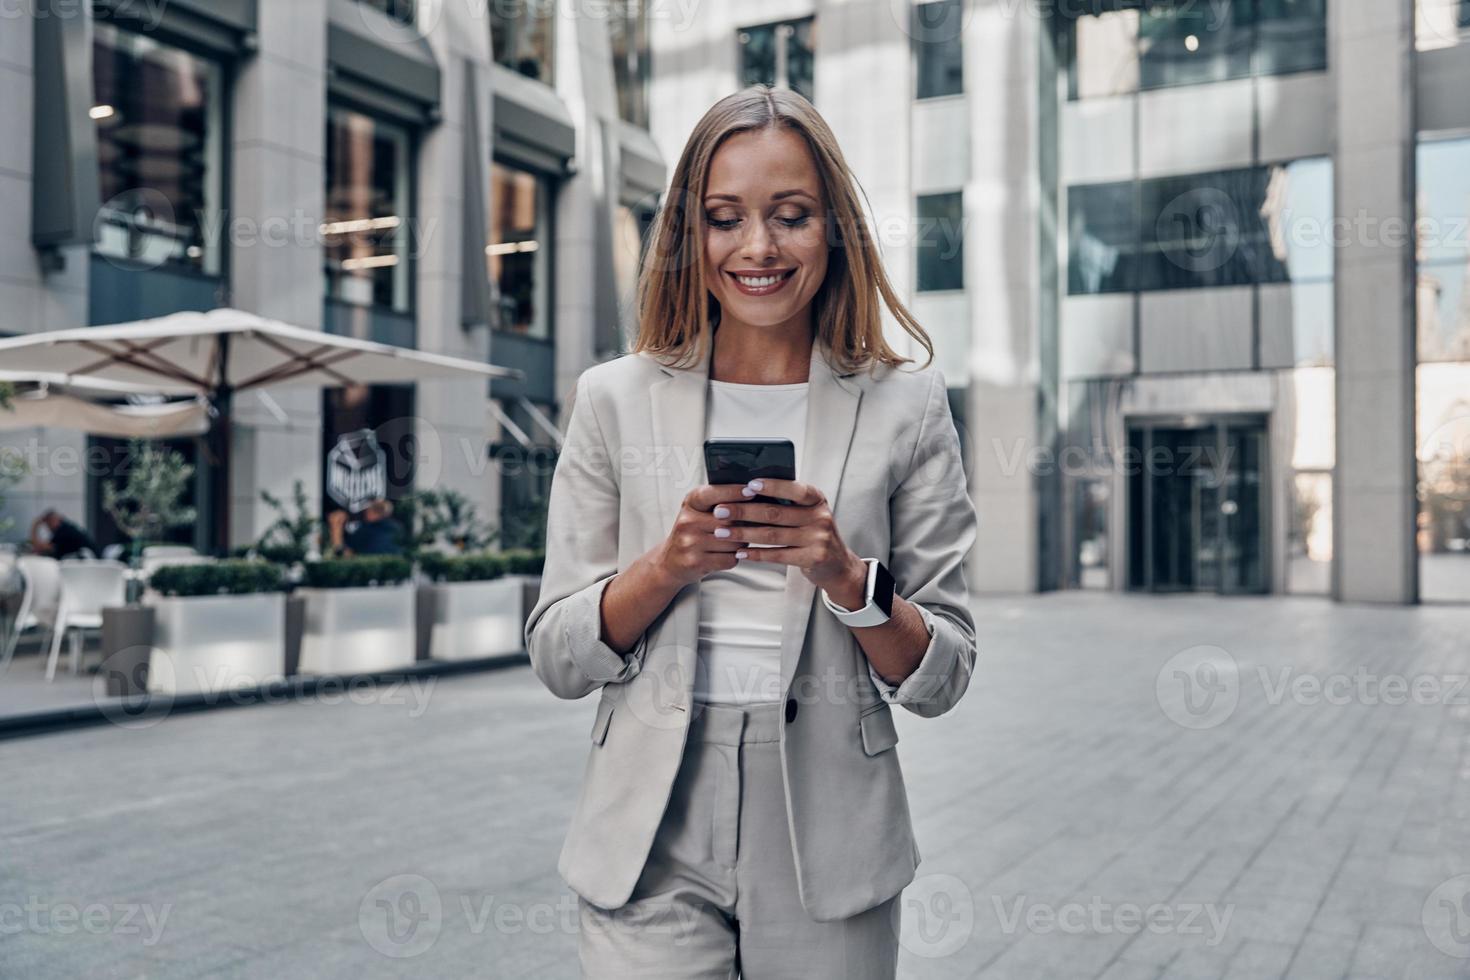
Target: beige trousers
x,y
718,897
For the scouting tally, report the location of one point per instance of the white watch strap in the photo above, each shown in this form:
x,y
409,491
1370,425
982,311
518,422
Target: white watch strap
x,y
869,614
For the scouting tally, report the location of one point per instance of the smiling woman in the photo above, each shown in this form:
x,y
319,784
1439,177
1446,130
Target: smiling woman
x,y
743,806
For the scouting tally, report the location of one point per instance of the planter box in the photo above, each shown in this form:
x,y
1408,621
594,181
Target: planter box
x,y
127,646
473,620
358,631
216,643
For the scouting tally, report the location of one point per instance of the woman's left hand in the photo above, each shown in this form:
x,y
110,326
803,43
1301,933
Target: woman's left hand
x,y
804,530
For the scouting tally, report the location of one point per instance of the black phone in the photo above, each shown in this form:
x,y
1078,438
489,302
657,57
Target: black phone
x,y
740,460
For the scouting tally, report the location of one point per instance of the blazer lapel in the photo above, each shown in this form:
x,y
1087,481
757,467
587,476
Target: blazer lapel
x,y
678,405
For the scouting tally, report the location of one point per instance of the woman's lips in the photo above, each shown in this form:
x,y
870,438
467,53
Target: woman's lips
x,y
784,277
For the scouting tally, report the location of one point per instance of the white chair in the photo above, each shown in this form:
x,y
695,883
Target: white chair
x,y
41,600
86,587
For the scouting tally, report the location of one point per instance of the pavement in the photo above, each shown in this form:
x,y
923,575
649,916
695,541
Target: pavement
x,y
1134,787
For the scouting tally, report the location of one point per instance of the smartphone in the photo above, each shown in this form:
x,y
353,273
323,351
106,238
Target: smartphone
x,y
739,460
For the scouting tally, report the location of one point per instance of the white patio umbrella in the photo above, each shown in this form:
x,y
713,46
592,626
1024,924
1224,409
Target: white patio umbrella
x,y
44,407
224,351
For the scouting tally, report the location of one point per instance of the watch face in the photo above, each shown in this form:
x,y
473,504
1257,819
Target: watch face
x,y
883,590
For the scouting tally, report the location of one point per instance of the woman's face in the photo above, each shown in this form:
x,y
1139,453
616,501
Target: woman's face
x,y
765,244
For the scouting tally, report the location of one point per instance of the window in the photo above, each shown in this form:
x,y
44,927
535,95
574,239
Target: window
x,y
1441,23
159,135
367,226
1162,43
1253,225
523,36
938,48
779,55
399,10
628,25
1444,199
518,252
941,242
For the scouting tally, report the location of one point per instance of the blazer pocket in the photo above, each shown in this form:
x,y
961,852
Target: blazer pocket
x,y
600,723
878,731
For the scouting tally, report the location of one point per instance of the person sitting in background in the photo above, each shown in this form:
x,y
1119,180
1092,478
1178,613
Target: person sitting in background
x,y
65,539
376,534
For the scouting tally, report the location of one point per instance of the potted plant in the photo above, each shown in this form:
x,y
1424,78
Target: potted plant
x,y
217,627
149,501
474,605
359,615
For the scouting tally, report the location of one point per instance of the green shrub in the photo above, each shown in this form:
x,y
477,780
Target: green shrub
x,y
356,572
463,568
217,578
524,561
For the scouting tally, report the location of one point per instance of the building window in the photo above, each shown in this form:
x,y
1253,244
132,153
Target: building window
x,y
628,25
938,48
1233,227
523,37
941,242
779,55
1441,23
367,225
519,250
159,136
1166,43
1444,258
399,10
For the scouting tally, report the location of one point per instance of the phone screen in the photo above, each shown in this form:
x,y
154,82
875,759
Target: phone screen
x,y
728,460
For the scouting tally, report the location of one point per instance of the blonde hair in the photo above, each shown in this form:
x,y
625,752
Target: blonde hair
x,y
677,314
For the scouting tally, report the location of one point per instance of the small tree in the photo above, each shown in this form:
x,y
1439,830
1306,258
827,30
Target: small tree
x,y
289,539
524,527
148,504
431,516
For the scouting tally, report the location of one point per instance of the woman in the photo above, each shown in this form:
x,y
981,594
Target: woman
x,y
743,811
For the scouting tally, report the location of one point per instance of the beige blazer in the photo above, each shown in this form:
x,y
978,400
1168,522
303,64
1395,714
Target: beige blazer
x,y
885,451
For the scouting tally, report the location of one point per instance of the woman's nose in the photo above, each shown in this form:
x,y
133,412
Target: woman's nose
x,y
758,243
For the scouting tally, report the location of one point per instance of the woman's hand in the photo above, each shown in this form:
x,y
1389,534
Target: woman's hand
x,y
806,533
693,549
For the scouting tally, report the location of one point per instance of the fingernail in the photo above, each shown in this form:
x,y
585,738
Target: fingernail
x,y
722,532
741,554
722,512
747,491
755,484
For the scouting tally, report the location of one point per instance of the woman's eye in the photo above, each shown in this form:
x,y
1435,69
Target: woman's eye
x,y
795,222
724,224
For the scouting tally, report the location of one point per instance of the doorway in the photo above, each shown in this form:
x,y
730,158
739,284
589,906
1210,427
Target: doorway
x,y
1197,510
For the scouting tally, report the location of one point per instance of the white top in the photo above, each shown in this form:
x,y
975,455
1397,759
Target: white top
x,y
740,610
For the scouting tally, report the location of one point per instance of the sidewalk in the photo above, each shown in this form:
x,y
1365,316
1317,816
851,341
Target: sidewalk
x,y
1133,787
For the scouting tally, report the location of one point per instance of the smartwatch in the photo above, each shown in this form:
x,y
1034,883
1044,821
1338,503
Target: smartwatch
x,y
878,599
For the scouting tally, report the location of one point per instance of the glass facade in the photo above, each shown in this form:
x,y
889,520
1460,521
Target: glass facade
x,y
159,141
628,27
1164,43
399,10
937,30
519,250
1443,376
780,55
523,37
941,242
367,226
1441,23
1227,228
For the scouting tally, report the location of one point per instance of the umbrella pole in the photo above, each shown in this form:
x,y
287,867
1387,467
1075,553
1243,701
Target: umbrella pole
x,y
223,404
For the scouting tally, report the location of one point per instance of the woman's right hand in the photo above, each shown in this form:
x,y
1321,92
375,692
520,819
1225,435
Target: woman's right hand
x,y
692,550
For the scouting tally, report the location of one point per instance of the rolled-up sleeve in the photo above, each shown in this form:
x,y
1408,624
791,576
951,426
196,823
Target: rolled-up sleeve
x,y
563,633
933,525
